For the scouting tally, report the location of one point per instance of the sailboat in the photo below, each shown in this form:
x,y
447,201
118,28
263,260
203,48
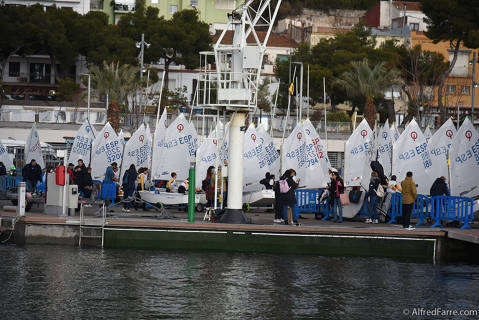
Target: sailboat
x,y
259,156
384,148
357,170
82,145
107,148
439,145
411,153
33,149
464,157
137,150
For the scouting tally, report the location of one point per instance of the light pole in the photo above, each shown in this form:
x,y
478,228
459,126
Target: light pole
x,y
88,103
141,45
474,84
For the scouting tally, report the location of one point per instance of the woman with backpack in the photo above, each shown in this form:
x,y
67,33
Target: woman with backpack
x,y
287,188
336,188
129,179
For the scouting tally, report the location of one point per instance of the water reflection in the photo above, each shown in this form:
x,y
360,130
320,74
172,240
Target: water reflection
x,y
50,282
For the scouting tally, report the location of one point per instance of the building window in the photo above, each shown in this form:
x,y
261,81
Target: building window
x,y
465,90
172,9
414,26
14,69
451,89
40,72
194,3
225,4
154,1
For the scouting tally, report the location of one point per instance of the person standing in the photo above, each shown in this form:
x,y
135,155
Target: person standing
x,y
79,175
336,189
409,195
373,198
278,206
129,179
208,186
439,187
289,197
268,181
3,170
32,173
394,186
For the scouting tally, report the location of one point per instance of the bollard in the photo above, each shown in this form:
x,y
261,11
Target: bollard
x,y
191,193
21,199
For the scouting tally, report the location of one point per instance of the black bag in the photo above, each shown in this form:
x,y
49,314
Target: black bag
x,y
355,196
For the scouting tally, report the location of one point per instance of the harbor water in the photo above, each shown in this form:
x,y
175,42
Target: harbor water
x,y
50,282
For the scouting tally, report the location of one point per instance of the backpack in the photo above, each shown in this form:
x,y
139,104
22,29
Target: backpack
x,y
284,186
380,191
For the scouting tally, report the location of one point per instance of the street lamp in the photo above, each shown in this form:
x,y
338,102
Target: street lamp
x,y
89,78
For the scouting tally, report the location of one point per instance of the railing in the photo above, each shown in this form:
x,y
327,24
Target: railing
x,y
452,208
308,200
9,182
437,208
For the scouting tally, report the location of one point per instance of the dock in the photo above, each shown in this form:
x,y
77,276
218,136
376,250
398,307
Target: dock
x,y
144,230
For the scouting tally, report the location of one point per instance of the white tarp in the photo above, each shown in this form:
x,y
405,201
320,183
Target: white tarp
x,y
394,133
33,149
159,136
438,146
258,156
358,152
384,148
178,149
137,150
207,155
427,134
5,157
107,149
271,153
82,144
464,155
410,153
298,153
321,150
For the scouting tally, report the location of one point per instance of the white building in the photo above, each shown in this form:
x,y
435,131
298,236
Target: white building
x,y
80,6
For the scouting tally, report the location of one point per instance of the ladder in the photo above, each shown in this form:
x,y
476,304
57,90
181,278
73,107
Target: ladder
x,y
92,231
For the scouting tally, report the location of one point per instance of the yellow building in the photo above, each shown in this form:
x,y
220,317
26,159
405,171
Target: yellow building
x,y
458,87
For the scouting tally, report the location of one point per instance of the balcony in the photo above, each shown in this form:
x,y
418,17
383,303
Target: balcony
x,y
96,5
120,7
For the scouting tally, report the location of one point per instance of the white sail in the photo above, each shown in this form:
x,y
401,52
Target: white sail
x,y
384,148
358,152
5,157
33,150
224,150
159,136
464,155
256,159
319,146
107,149
438,146
272,154
394,133
410,153
137,150
82,145
207,155
178,149
427,134
298,153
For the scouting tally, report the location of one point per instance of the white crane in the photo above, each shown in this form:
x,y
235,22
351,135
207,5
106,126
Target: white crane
x,y
235,82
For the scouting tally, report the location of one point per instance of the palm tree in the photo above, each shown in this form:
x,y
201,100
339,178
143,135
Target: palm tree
x,y
364,83
117,82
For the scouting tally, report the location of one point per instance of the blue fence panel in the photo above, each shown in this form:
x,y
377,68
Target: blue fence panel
x,y
396,207
452,208
308,200
8,182
421,208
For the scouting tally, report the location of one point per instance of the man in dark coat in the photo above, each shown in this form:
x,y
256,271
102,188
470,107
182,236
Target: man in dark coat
x,y
439,187
32,173
80,175
129,179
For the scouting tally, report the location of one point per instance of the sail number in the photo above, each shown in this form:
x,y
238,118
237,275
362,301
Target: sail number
x,y
421,151
363,147
470,153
